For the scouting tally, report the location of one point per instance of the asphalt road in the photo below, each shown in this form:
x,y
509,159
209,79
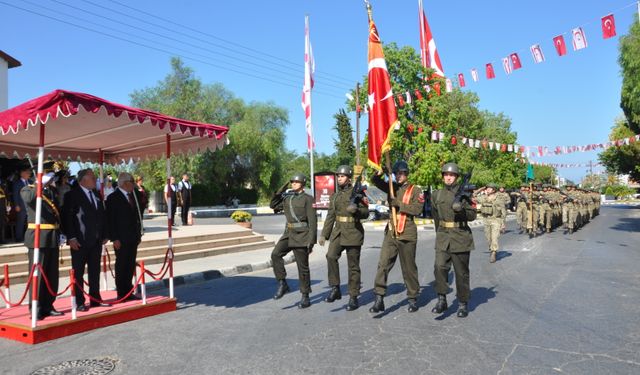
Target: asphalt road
x,y
554,304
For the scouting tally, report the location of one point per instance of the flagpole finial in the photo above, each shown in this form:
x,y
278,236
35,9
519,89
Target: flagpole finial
x,y
368,5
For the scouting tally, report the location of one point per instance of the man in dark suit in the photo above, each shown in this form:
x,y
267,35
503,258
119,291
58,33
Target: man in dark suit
x,y
48,244
83,223
124,230
18,202
184,193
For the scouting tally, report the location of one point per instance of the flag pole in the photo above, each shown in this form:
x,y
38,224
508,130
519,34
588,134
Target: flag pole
x,y
392,194
306,94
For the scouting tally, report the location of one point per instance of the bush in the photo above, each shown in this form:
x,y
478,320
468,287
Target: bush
x,y
241,216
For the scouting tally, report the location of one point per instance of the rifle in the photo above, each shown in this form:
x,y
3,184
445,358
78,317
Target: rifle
x,y
357,194
465,191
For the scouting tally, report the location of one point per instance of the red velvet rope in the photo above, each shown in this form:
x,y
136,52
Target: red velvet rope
x,y
92,299
24,294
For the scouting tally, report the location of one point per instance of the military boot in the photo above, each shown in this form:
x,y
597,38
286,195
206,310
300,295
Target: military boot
x,y
282,289
492,257
413,305
353,304
378,305
334,294
441,306
462,310
304,301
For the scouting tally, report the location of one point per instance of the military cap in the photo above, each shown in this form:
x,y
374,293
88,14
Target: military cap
x,y
451,168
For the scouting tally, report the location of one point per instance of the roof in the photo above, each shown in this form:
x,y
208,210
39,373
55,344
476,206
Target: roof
x,y
13,63
79,126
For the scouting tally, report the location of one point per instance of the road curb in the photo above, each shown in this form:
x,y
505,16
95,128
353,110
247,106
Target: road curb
x,y
202,276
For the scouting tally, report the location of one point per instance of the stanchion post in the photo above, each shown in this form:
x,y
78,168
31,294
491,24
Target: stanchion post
x,y
7,289
143,287
104,267
74,305
170,273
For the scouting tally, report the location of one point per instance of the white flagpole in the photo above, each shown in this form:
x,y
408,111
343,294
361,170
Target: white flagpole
x,y
308,85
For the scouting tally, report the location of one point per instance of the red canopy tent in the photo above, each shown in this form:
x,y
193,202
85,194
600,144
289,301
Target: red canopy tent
x,y
84,127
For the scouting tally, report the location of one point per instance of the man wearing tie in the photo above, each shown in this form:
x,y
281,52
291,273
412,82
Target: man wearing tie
x,y
184,190
83,219
124,230
18,203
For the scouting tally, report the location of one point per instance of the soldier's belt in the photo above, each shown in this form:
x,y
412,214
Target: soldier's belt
x,y
453,224
347,219
43,226
297,225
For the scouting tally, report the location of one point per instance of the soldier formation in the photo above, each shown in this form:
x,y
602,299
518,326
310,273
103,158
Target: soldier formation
x,y
452,207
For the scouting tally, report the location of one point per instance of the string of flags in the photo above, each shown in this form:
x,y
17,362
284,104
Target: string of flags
x,y
510,63
525,151
566,165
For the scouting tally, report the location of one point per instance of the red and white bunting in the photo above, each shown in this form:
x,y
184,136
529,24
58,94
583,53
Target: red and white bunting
x,y
536,53
578,38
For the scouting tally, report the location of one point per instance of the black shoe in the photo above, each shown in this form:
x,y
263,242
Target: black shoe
x,y
82,308
353,304
55,312
378,305
462,310
133,297
304,301
282,289
100,304
334,294
413,305
441,306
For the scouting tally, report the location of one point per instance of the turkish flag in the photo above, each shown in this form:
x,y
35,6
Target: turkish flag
x,y
608,26
383,117
461,79
578,38
490,73
428,53
400,101
515,61
561,47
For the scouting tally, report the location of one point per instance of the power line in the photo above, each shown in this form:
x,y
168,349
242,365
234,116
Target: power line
x,y
234,58
260,53
170,53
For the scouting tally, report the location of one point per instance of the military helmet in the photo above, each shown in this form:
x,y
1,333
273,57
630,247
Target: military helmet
x,y
451,168
401,166
345,170
492,186
299,177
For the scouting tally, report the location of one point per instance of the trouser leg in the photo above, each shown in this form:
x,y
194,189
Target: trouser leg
x,y
388,256
496,227
333,269
407,253
304,276
78,261
93,271
353,263
461,269
279,251
441,267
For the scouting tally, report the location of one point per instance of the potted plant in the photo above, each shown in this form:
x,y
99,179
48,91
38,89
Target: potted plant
x,y
242,218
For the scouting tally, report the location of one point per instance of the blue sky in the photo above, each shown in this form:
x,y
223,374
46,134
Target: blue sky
x,y
570,100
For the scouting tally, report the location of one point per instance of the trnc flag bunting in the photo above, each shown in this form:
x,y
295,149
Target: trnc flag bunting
x,y
506,64
448,85
383,117
309,68
515,61
428,52
461,79
474,75
491,74
608,26
537,54
579,39
561,47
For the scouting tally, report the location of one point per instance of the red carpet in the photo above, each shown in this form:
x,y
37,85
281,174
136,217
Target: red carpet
x,y
15,323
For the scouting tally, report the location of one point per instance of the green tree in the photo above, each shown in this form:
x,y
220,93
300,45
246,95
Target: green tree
x,y
252,159
623,159
344,146
629,61
455,114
